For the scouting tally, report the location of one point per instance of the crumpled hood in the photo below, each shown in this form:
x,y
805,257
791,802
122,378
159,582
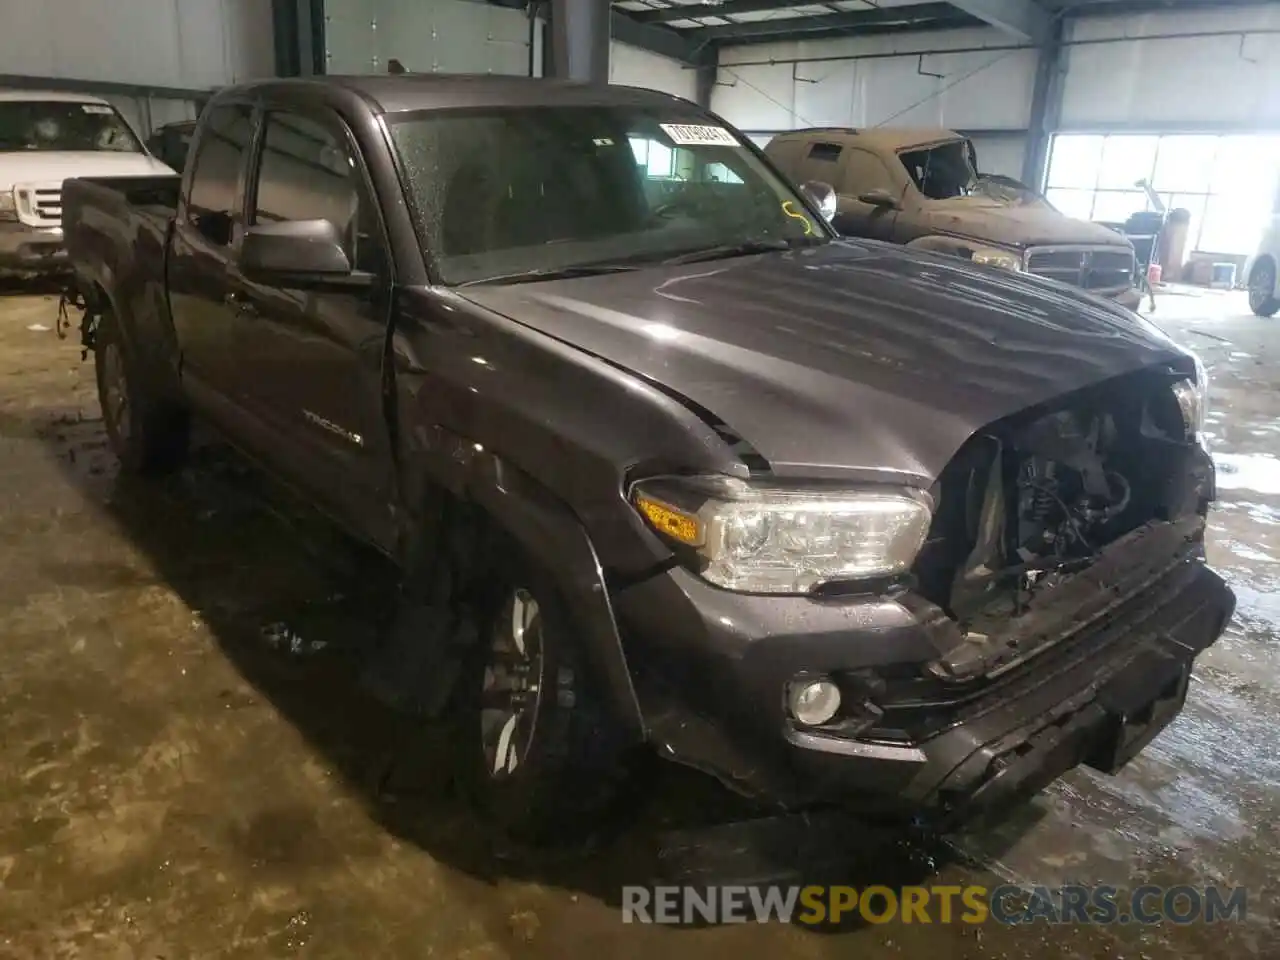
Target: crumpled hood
x,y
1014,225
54,166
854,359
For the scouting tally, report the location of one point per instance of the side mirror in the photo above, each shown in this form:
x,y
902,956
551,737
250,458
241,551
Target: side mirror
x,y
880,197
294,249
821,195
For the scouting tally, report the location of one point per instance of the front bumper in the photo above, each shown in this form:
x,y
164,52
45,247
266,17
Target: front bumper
x,y
26,250
717,665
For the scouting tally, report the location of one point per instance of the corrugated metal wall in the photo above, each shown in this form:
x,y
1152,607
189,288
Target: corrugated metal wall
x,y
162,43
1226,75
640,68
1149,80
427,36
168,45
961,79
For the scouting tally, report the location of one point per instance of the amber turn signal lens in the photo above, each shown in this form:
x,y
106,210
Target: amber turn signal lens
x,y
668,520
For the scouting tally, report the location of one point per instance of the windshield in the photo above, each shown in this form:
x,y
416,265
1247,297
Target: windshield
x,y
63,125
541,190
941,172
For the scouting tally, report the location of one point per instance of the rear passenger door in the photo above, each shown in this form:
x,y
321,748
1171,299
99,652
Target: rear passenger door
x,y
313,353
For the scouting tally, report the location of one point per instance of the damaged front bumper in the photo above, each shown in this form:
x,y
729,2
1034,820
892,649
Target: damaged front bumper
x,y
1098,683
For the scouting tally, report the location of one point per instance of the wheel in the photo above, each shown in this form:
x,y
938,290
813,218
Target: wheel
x,y
1262,289
538,757
148,434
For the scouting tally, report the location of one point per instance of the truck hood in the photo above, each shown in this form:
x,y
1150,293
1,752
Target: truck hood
x,y
53,166
1012,225
852,360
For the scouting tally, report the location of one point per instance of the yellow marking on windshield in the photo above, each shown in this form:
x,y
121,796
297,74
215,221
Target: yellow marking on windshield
x,y
791,211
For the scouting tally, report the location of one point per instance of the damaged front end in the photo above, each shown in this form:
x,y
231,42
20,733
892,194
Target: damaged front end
x,y
1032,504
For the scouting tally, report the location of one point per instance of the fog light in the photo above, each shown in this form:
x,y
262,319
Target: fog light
x,y
813,703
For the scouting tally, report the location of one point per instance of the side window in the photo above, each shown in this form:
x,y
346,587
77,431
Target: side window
x,y
864,171
212,205
830,152
819,160
308,172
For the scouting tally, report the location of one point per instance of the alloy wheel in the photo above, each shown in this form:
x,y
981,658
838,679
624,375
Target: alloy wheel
x,y
512,684
115,392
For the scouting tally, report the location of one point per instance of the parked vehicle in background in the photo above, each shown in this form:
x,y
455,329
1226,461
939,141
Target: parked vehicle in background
x,y
922,188
46,137
170,143
662,460
1262,271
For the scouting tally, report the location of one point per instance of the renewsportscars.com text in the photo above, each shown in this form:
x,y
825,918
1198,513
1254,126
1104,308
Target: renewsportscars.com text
x,y
1008,904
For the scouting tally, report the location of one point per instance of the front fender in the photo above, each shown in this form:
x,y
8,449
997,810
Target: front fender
x,y
553,537
950,246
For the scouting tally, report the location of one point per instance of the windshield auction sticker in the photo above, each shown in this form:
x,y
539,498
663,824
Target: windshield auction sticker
x,y
697,135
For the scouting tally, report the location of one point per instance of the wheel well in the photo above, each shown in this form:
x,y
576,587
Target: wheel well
x,y
1266,258
502,516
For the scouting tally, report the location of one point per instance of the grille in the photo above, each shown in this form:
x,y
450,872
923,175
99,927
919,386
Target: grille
x,y
48,204
1094,268
39,204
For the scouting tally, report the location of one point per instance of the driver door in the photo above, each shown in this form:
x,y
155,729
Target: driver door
x,y
314,358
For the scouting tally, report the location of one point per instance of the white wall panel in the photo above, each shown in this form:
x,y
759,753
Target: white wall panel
x,y
640,68
894,82
1163,77
427,36
166,43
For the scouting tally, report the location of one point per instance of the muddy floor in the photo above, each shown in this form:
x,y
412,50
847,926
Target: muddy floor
x,y
188,770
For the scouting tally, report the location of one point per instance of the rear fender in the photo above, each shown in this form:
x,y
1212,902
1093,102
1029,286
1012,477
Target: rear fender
x,y
128,281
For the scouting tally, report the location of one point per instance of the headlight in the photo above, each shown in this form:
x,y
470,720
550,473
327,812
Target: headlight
x,y
760,538
8,207
1003,259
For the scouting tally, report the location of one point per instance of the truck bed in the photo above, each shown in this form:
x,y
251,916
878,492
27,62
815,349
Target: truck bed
x,y
116,231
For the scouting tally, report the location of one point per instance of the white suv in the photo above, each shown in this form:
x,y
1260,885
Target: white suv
x,y
46,138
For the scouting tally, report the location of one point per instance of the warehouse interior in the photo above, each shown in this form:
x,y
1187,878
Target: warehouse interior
x,y
191,770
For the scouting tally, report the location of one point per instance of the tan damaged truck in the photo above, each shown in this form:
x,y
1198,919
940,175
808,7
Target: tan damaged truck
x,y
922,188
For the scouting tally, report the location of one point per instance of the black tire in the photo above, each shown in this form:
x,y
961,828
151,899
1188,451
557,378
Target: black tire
x,y
562,764
148,433
1262,288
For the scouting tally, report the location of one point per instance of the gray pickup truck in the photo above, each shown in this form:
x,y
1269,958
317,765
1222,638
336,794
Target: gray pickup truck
x,y
922,188
662,461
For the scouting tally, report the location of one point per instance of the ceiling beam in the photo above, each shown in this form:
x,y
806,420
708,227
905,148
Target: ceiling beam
x,y
675,44
879,20
713,9
1023,20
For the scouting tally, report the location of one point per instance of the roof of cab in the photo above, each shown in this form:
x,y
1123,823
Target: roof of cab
x,y
399,93
62,96
887,138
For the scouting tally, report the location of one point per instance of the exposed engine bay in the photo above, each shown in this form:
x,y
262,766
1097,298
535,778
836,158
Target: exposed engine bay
x,y
1035,499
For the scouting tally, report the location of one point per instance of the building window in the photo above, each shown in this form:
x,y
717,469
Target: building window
x,y
1227,183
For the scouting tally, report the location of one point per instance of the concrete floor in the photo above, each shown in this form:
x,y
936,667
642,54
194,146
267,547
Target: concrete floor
x,y
185,777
